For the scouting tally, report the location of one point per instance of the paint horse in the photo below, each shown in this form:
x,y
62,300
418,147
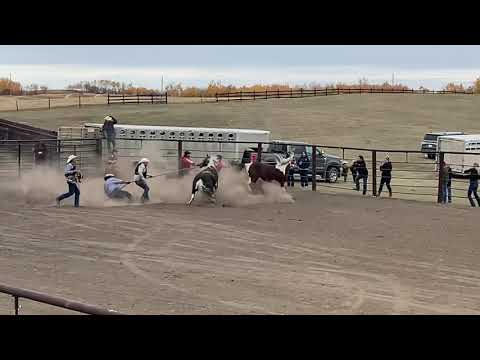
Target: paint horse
x,y
207,179
268,173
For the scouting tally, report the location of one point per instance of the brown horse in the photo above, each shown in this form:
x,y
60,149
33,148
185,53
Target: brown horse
x,y
268,173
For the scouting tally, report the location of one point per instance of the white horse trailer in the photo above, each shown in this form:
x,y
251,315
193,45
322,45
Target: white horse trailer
x,y
460,143
147,140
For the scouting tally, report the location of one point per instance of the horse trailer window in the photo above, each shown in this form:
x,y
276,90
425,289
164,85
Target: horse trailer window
x,y
210,135
172,134
182,134
192,134
152,132
201,134
162,132
142,132
132,132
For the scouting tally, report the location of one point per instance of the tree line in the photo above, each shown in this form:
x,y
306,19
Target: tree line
x,y
9,87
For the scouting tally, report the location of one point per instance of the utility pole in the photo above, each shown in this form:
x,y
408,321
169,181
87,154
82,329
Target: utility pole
x,y
162,83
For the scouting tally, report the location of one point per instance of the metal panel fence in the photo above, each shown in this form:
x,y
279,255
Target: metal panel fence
x,y
413,176
18,293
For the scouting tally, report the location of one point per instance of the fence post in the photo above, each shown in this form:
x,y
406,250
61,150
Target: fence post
x,y
19,159
343,154
291,93
441,156
314,91
108,98
253,94
48,103
16,306
241,95
301,92
166,97
314,168
138,99
374,172
179,149
152,98
123,98
16,102
79,101
228,96
216,96
259,152
326,91
278,93
266,94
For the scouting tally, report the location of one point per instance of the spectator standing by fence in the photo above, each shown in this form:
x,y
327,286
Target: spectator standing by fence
x,y
446,183
473,186
362,174
40,153
109,131
344,170
303,165
186,163
386,169
353,169
291,172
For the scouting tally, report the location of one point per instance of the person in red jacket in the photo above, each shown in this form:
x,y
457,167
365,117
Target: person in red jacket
x,y
186,163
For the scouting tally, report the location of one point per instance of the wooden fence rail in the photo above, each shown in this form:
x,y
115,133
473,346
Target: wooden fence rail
x,y
138,99
301,93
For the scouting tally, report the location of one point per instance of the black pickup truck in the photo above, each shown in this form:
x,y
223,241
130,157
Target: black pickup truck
x,y
328,166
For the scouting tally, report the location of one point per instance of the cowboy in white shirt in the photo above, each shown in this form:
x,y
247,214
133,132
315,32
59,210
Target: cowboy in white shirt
x,y
72,175
141,176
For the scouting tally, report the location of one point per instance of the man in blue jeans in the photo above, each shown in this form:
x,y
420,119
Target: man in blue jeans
x,y
73,175
446,184
362,173
473,187
109,131
303,164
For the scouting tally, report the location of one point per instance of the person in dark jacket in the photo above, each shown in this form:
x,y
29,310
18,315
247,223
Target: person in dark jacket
x,y
344,170
473,187
291,172
303,164
386,169
362,174
40,153
354,171
109,131
446,184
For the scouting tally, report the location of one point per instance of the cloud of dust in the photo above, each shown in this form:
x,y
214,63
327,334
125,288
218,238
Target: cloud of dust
x,y
42,185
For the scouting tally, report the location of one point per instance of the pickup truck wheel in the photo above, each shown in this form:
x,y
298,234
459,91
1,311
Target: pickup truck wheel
x,y
332,174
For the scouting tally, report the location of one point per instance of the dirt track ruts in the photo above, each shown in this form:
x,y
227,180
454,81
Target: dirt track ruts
x,y
324,254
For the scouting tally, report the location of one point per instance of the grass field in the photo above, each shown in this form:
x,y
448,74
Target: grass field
x,y
382,121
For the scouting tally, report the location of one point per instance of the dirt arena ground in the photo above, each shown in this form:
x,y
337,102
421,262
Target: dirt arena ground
x,y
322,254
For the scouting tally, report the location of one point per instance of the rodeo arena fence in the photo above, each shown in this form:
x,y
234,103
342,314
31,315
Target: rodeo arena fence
x,y
301,93
413,177
18,293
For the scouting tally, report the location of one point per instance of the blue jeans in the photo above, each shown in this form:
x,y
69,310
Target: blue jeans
x,y
110,140
446,192
357,183
72,190
473,189
143,184
304,177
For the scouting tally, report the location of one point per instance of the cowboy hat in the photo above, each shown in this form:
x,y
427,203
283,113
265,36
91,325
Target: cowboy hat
x,y
107,176
144,160
108,118
70,158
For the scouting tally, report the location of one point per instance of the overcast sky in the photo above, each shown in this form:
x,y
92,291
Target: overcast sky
x,y
58,66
